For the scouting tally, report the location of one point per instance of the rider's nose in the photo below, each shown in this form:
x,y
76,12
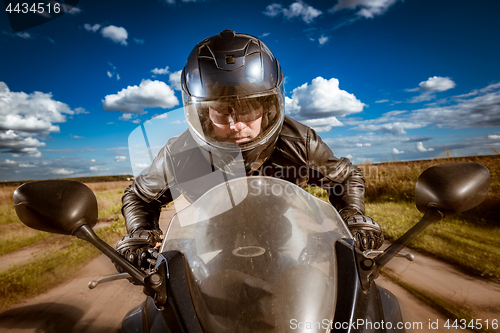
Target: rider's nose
x,y
239,126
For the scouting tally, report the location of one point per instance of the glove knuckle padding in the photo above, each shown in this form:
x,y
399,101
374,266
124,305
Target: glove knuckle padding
x,y
138,246
366,232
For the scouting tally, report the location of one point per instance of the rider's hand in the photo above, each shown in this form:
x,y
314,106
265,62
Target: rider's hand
x,y
366,232
139,248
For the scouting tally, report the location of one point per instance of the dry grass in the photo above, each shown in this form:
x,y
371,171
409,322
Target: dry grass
x,y
14,235
6,196
395,182
7,213
108,186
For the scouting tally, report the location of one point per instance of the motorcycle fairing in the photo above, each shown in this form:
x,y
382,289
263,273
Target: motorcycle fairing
x,y
375,304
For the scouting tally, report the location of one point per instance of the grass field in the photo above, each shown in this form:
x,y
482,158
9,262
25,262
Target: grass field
x,y
469,240
395,182
15,235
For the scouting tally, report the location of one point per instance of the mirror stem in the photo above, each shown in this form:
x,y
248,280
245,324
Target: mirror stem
x,y
86,233
431,215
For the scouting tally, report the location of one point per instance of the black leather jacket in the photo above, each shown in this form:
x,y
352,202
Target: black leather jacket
x,y
300,156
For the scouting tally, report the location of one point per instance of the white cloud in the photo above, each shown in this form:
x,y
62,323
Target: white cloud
x,y
28,151
24,35
161,116
175,80
490,88
127,116
322,99
134,99
396,151
33,112
92,28
24,115
323,124
10,139
437,83
110,74
369,8
74,11
116,34
94,168
397,128
323,39
297,9
493,137
430,87
382,101
483,110
265,34
421,148
273,10
142,165
62,171
160,70
423,97
120,158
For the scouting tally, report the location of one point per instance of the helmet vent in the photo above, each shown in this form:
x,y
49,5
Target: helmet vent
x,y
229,59
227,34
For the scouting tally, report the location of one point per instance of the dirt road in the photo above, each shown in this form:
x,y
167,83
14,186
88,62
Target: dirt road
x,y
72,307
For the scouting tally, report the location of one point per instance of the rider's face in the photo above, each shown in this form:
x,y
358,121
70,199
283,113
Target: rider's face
x,y
231,125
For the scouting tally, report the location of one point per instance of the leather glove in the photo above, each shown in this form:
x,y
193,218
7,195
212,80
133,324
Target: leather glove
x,y
366,232
138,247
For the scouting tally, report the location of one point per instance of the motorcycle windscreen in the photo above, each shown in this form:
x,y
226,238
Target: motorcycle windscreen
x,y
262,256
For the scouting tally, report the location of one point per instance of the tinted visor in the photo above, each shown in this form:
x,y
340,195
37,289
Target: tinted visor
x,y
226,113
245,120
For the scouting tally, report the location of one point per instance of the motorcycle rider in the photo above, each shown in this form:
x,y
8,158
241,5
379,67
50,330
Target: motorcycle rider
x,y
233,98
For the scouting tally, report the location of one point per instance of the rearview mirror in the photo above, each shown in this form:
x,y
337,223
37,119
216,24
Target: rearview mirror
x,y
59,206
452,188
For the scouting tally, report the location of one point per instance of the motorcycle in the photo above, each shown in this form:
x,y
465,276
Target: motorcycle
x,y
257,254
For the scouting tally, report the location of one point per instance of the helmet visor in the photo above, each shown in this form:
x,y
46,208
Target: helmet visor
x,y
246,121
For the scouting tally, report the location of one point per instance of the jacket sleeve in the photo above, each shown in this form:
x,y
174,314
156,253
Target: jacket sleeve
x,y
343,181
142,215
142,201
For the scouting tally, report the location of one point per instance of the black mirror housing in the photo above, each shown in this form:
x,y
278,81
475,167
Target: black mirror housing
x,y
452,188
58,206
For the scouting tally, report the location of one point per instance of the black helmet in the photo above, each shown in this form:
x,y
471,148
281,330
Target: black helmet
x,y
233,95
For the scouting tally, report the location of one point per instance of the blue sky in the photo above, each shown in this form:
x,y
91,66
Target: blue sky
x,y
377,79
